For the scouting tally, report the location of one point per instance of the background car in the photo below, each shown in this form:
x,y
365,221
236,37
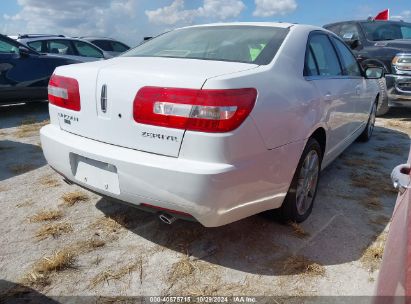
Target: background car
x,y
66,47
217,122
108,45
25,73
395,273
383,43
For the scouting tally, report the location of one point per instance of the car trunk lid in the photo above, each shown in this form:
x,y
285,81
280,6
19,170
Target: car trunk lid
x,y
108,89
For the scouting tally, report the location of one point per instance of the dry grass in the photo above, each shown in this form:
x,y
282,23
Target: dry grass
x,y
58,261
110,224
300,264
345,196
49,181
28,120
371,202
372,255
398,124
380,220
73,198
298,230
89,245
21,168
181,269
109,274
359,162
377,183
46,215
396,150
216,287
53,230
29,128
27,203
97,260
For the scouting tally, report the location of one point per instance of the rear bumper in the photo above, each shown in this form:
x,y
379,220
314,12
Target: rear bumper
x,y
399,89
214,194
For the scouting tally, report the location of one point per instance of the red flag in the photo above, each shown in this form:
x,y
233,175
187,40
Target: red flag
x,y
384,15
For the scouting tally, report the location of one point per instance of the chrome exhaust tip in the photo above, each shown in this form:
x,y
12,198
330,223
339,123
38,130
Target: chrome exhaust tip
x,y
167,218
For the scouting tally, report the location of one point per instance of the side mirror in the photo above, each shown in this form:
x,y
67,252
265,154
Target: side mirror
x,y
374,72
351,40
24,52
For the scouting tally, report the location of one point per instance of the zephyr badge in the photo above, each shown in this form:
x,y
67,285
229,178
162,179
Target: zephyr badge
x,y
103,99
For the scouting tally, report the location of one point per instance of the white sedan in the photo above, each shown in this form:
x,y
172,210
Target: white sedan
x,y
213,123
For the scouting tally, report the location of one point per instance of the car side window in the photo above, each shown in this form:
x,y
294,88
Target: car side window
x,y
310,68
119,47
350,64
8,48
349,31
103,44
35,45
62,47
325,56
86,50
406,32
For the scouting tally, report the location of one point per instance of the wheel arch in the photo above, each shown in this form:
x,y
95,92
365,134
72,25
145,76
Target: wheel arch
x,y
321,136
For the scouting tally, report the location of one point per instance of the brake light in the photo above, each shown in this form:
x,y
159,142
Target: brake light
x,y
64,92
196,110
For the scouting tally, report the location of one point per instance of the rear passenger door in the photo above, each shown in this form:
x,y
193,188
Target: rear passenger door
x,y
324,69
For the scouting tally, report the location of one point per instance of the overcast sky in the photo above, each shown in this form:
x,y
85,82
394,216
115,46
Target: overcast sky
x,y
131,20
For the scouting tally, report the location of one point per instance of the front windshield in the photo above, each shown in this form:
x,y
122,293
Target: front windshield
x,y
248,44
379,31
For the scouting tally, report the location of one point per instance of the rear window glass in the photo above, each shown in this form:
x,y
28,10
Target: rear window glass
x,y
248,44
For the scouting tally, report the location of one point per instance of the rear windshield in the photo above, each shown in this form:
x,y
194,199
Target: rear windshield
x,y
379,31
248,44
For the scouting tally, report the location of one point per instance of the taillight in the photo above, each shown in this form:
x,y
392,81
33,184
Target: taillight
x,y
64,92
195,110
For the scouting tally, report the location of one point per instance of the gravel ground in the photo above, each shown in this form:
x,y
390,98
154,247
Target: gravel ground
x,y
59,240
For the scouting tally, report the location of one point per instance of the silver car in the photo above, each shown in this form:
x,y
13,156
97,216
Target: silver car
x,y
72,48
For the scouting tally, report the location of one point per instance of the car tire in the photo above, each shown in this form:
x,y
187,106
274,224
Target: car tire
x,y
382,107
299,201
367,133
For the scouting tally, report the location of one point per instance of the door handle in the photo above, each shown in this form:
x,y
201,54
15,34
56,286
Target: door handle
x,y
358,89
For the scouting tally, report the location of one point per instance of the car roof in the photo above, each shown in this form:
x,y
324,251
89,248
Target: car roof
x,y
41,38
267,24
97,38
